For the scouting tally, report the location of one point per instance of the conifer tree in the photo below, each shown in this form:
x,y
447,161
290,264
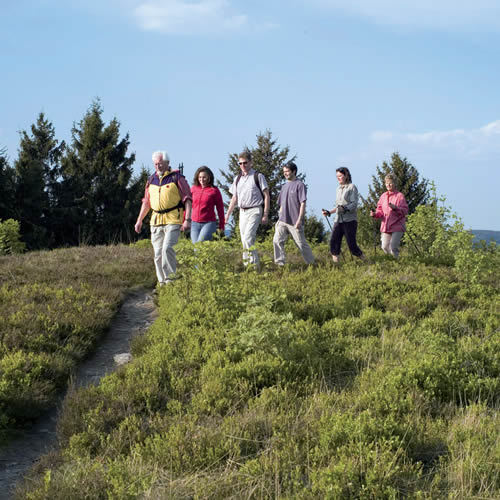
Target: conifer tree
x,y
268,158
96,173
37,177
136,193
314,229
7,187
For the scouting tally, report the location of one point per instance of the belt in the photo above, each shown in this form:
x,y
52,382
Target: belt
x,y
248,208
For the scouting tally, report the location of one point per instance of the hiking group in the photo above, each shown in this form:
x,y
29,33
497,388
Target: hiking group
x,y
175,207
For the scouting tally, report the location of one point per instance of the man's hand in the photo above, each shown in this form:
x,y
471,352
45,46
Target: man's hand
x,y
298,224
265,219
138,226
186,225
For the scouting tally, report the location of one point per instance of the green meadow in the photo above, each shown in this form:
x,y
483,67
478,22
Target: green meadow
x,y
375,379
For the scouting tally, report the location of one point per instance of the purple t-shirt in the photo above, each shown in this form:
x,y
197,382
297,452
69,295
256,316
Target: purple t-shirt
x,y
292,194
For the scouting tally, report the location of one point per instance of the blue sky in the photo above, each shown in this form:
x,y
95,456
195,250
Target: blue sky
x,y
339,82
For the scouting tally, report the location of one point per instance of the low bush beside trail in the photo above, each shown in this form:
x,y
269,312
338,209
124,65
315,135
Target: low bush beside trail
x,y
54,306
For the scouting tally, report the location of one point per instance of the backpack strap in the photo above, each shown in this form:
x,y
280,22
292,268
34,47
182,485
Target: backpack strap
x,y
180,204
255,179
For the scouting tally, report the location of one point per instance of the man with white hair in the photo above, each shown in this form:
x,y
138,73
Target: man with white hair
x,y
168,195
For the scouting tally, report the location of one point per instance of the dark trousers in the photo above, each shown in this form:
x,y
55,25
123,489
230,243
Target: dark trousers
x,y
349,230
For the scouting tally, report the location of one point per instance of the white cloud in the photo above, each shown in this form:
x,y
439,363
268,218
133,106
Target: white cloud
x,y
472,142
440,14
492,128
188,17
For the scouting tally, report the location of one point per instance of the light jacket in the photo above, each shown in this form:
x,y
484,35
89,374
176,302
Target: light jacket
x,y
347,197
392,220
205,200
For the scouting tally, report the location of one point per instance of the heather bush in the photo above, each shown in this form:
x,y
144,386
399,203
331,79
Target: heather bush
x,y
364,381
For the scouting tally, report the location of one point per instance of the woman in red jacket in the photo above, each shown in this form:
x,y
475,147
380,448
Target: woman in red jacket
x,y
392,209
206,198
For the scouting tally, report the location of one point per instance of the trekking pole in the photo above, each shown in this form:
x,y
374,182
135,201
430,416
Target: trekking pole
x,y
413,241
328,220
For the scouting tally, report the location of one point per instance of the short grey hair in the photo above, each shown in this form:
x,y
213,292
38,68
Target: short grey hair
x,y
163,154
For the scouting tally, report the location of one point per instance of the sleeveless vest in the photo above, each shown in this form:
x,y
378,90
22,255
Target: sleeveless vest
x,y
165,199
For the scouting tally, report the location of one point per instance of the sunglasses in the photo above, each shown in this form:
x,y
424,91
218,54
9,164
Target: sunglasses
x,y
242,162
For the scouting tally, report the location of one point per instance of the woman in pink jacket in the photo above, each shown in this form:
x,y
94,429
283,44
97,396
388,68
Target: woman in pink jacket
x,y
206,199
392,209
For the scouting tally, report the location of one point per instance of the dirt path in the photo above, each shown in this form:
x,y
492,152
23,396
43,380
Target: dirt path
x,y
135,315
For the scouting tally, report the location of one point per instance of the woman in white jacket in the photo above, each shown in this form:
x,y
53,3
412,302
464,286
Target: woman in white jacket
x,y
346,210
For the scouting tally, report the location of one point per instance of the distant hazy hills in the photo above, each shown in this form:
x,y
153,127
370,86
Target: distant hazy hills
x,y
485,234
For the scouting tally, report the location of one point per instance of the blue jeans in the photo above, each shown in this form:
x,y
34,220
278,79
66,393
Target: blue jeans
x,y
202,231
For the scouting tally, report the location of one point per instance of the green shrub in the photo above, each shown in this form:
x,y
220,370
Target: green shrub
x,y
10,237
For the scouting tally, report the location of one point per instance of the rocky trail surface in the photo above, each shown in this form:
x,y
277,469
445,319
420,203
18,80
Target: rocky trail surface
x,y
135,315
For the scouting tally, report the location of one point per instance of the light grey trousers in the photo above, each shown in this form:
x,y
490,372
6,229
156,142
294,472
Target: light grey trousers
x,y
281,232
163,239
391,242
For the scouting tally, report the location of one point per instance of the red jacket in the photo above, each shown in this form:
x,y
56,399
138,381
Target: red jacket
x,y
393,220
205,200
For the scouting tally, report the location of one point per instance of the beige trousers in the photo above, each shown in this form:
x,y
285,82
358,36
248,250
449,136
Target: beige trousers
x,y
281,232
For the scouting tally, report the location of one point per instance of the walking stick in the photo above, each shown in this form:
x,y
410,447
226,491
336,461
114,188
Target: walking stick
x,y
328,220
413,241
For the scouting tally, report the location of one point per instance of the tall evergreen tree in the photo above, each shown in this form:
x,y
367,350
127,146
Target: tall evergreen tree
x,y
96,173
136,193
7,187
37,177
408,181
268,158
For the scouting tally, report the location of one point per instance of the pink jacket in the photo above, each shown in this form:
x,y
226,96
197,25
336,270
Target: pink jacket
x,y
392,220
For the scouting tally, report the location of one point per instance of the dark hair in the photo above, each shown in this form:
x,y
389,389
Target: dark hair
x,y
345,171
246,155
291,165
205,169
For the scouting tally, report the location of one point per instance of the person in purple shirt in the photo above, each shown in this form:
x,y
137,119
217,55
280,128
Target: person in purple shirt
x,y
292,203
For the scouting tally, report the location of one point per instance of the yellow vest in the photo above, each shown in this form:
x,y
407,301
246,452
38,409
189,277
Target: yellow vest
x,y
164,195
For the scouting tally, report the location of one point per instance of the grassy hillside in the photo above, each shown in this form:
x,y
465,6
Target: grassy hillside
x,y
372,380
54,306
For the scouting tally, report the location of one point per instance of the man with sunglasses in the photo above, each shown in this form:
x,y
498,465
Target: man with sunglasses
x,y
251,192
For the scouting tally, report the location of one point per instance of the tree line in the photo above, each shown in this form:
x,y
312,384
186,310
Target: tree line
x,y
67,194
85,192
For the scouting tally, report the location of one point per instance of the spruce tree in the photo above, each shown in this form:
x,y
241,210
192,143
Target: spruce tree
x,y
136,193
37,177
96,172
268,158
7,187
